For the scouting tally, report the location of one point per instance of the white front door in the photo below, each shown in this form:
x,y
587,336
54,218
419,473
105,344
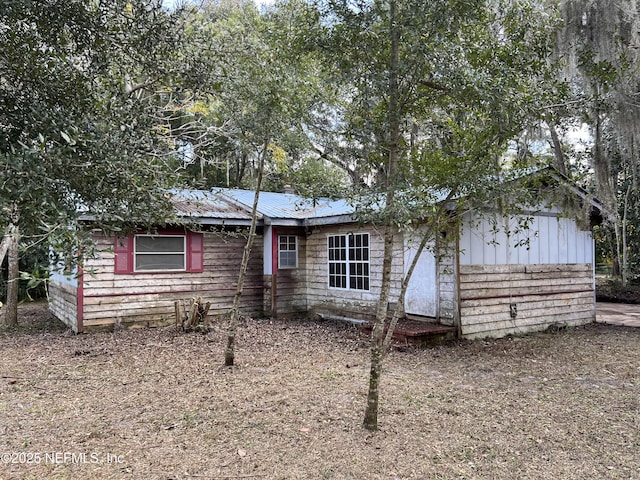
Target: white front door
x,y
421,297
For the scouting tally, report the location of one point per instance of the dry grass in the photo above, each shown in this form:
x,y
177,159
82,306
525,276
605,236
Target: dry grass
x,y
547,406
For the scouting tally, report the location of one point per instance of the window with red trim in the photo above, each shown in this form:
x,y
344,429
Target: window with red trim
x,y
162,252
287,251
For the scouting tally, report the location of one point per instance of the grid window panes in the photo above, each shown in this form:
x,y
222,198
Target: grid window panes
x,y
349,261
359,261
287,251
160,252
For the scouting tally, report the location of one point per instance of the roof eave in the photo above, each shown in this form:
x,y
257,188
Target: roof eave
x,y
284,222
223,222
582,193
332,220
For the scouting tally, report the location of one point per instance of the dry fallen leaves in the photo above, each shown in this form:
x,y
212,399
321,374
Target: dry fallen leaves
x,y
545,406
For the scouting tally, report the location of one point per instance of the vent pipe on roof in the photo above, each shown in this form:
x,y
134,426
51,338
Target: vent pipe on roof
x,y
288,189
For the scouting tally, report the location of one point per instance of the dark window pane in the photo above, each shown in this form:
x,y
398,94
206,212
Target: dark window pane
x,y
160,262
150,244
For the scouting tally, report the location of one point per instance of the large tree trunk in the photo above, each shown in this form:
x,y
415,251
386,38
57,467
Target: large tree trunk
x,y
557,149
229,355
377,347
11,309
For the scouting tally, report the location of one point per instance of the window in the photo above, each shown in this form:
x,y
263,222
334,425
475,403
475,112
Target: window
x,y
349,261
165,252
287,251
159,252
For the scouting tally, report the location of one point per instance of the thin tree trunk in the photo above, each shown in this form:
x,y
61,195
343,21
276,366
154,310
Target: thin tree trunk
x,y
624,266
377,352
602,169
426,236
11,313
229,355
377,348
605,189
4,245
375,372
403,292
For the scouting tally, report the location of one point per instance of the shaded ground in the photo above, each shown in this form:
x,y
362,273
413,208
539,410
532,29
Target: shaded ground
x,y
156,404
612,291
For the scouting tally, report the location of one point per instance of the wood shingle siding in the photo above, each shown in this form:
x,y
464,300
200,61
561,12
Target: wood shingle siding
x,y
357,304
447,290
63,302
543,295
147,299
291,286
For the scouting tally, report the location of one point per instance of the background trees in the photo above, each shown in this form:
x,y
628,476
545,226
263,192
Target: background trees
x,y
261,86
597,42
79,124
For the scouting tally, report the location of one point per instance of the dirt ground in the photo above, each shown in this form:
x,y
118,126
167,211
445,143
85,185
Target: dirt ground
x,y
157,404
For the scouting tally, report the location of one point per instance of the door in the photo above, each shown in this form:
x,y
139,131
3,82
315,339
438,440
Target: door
x,y
421,297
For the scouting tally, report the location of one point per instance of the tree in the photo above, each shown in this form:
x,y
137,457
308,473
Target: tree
x,y
78,99
263,85
436,90
598,44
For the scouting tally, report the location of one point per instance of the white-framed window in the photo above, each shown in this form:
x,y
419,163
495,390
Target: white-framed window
x,y
160,252
349,261
287,251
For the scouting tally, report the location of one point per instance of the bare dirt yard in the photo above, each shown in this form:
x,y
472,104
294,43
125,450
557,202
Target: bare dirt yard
x,y
157,404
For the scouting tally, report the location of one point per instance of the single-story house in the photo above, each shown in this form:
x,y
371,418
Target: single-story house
x,y
315,258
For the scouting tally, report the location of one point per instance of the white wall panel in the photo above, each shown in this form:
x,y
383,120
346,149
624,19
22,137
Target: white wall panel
x,y
551,240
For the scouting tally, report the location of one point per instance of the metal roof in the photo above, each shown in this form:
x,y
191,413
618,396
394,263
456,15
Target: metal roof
x,y
289,206
233,206
208,207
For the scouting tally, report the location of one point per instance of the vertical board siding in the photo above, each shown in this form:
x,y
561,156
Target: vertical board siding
x,y
63,302
549,239
145,299
543,295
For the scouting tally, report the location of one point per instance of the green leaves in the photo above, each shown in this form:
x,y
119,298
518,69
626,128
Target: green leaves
x,y
260,83
66,138
469,76
74,73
